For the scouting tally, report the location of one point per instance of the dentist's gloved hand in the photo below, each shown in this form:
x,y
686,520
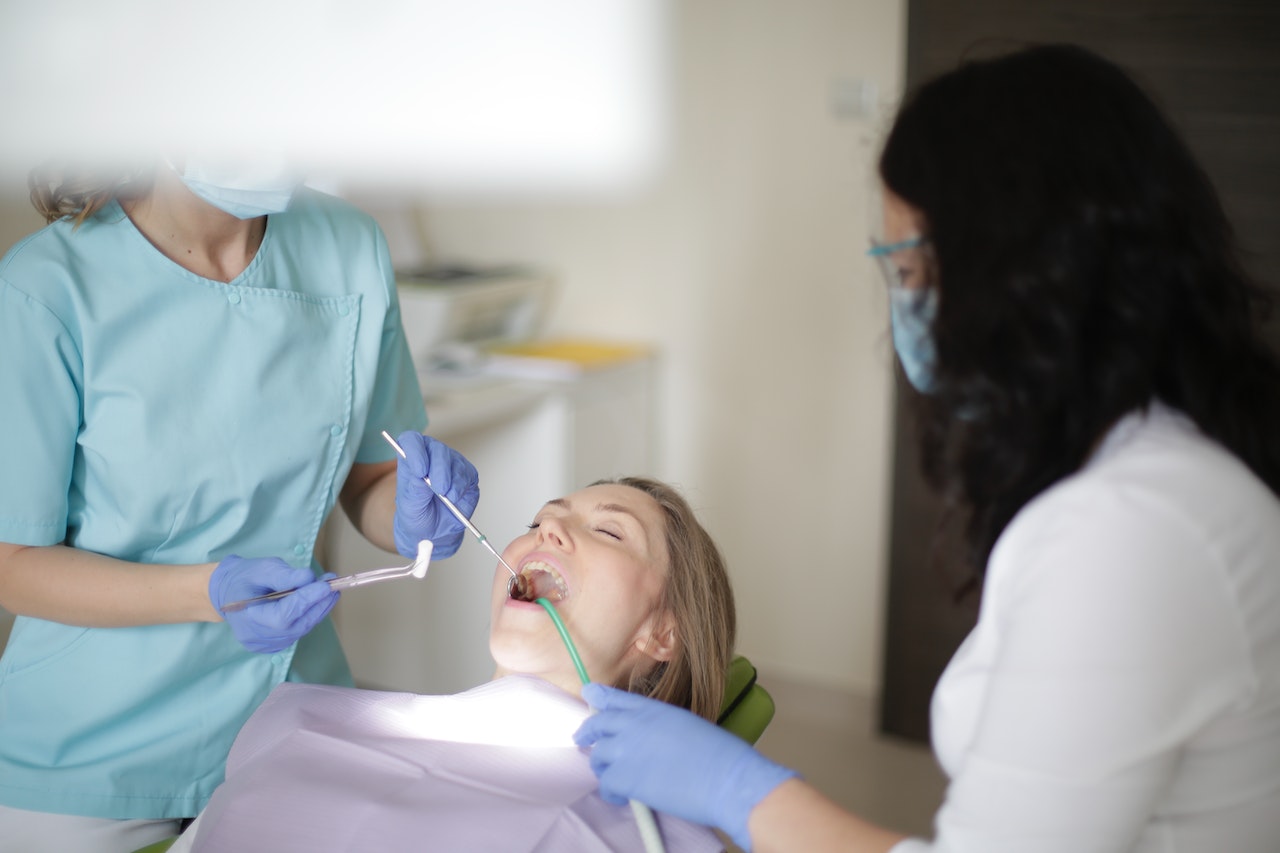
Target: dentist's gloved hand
x,y
272,625
419,514
674,761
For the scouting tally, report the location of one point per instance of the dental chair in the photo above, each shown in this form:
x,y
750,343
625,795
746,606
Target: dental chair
x,y
746,711
747,707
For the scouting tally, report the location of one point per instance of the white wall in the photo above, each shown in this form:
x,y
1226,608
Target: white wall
x,y
744,262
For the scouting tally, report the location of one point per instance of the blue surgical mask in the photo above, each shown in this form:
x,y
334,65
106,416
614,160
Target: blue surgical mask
x,y
911,315
242,192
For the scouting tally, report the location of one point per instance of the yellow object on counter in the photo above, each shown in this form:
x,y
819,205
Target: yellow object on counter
x,y
562,358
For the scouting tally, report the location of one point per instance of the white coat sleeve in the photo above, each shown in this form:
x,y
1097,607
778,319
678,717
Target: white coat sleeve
x,y
1116,636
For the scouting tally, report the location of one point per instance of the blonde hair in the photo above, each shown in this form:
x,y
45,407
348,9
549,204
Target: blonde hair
x,y
58,194
699,598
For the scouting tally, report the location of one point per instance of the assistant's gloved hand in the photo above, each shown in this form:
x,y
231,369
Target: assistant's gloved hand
x,y
272,625
419,514
674,761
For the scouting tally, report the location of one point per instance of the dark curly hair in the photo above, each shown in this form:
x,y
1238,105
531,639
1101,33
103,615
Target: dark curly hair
x,y
1085,268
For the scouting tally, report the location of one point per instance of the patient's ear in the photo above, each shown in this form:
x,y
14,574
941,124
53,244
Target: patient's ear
x,y
661,640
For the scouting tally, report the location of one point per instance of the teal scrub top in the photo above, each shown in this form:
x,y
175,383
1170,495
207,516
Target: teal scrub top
x,y
160,417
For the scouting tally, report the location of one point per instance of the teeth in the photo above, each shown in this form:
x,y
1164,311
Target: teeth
x,y
532,571
538,566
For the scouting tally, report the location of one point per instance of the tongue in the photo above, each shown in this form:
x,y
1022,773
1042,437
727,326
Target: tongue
x,y
536,584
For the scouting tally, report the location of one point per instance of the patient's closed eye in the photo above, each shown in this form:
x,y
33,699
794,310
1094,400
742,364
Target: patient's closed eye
x,y
612,532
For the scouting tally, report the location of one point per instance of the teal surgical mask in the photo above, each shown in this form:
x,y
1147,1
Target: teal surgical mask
x,y
911,315
240,191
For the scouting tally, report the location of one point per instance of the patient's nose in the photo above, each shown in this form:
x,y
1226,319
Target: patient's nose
x,y
553,531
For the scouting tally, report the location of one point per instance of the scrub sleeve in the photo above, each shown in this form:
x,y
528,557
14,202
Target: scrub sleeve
x,y
159,417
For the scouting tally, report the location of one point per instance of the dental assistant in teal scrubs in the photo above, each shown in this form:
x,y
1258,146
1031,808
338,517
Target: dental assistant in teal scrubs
x,y
195,366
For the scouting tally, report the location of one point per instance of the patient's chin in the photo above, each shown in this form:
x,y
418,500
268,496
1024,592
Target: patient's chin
x,y
513,654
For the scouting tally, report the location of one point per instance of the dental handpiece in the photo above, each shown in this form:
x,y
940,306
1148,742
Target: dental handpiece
x,y
457,513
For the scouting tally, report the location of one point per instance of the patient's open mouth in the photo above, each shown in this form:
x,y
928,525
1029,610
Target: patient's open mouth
x,y
537,580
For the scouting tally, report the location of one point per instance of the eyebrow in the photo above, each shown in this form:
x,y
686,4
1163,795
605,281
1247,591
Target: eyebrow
x,y
619,508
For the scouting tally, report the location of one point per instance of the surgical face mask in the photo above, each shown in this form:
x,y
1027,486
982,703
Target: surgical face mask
x,y
911,314
242,191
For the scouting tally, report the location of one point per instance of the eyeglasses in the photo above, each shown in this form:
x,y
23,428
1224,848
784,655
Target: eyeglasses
x,y
905,264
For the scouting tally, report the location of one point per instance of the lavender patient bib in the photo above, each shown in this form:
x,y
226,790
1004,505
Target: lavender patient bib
x,y
494,769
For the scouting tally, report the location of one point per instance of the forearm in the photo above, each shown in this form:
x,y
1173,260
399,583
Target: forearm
x,y
77,587
795,816
369,500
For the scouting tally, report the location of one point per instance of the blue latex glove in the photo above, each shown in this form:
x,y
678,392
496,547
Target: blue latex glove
x,y
419,514
674,761
272,625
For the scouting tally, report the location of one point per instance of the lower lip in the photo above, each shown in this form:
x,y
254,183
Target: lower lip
x,y
522,605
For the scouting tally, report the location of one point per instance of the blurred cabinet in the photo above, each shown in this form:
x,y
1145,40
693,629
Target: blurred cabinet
x,y
531,441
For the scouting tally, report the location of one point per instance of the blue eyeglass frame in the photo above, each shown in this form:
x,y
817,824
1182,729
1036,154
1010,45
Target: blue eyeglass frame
x,y
879,250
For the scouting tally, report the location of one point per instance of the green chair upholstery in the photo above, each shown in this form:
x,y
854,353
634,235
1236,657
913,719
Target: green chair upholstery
x,y
747,707
158,847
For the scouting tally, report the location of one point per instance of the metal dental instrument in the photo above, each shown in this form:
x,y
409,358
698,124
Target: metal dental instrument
x,y
457,513
418,569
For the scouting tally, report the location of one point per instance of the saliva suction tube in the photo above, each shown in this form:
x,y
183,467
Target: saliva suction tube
x,y
646,823
564,636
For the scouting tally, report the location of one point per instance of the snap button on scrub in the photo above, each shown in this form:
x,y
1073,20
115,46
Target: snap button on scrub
x,y
299,549
336,429
233,298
